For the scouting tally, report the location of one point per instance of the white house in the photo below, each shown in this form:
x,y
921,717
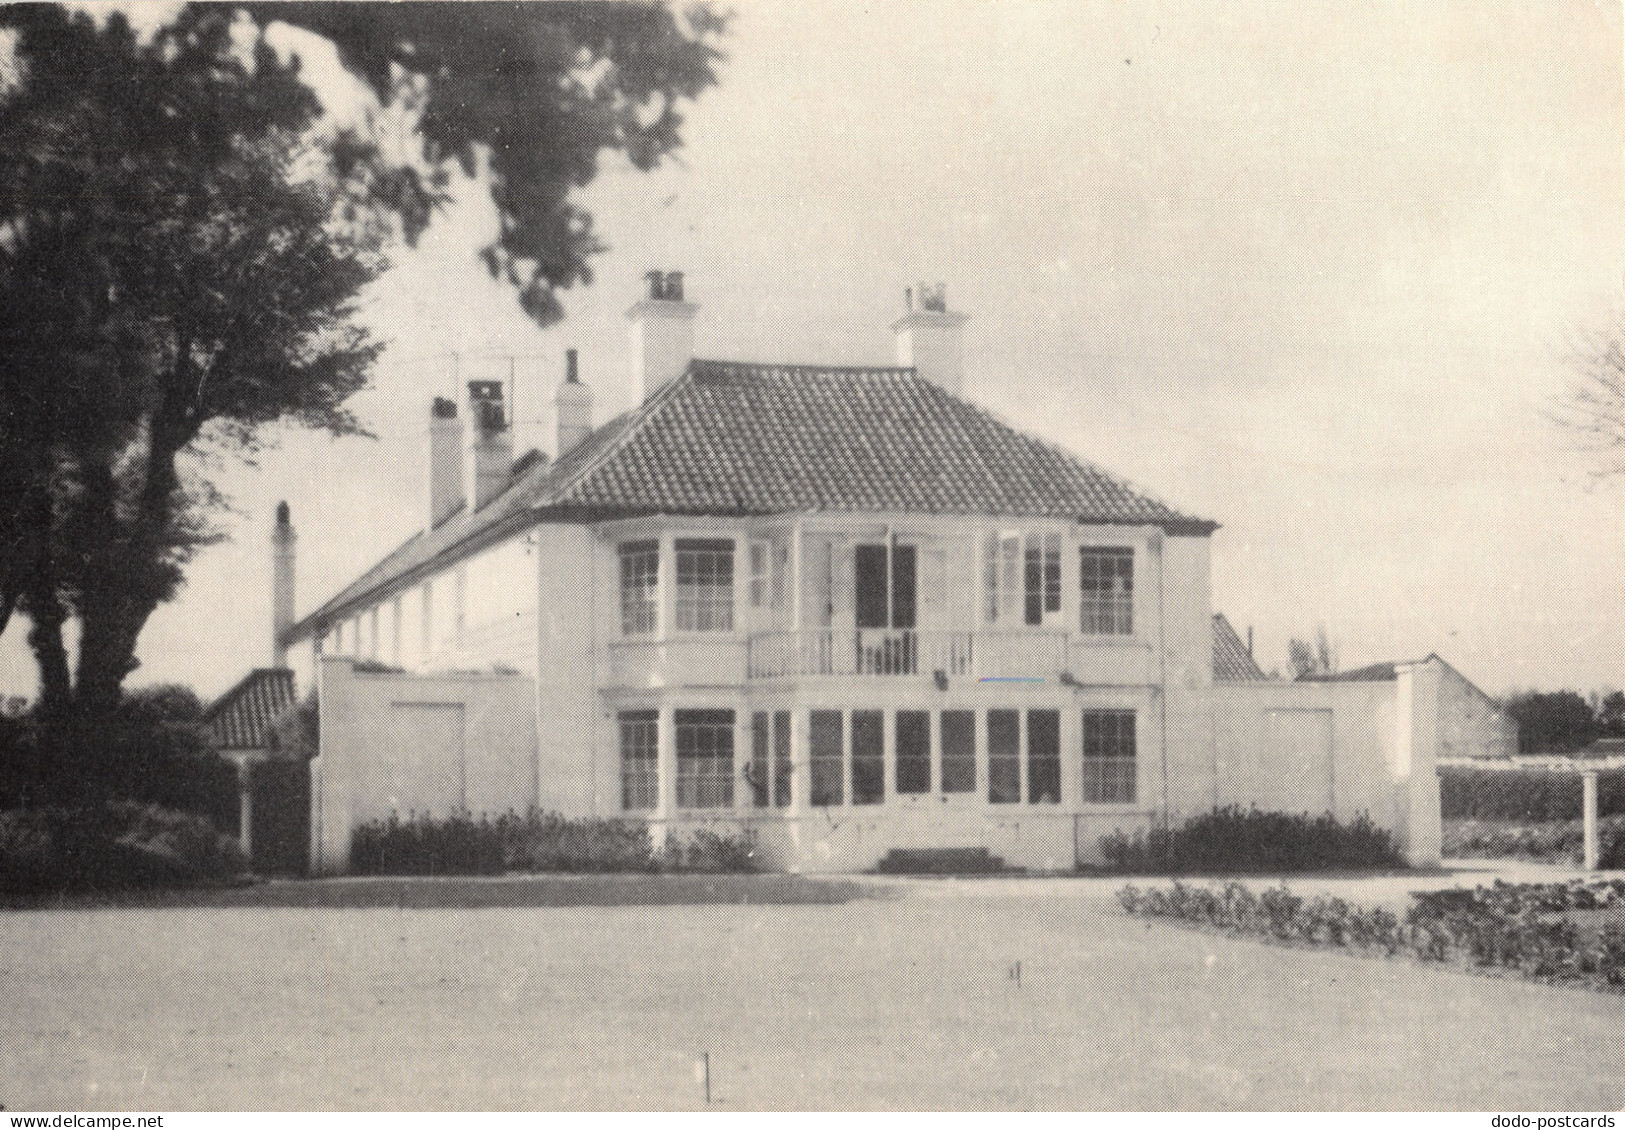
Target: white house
x,y
846,608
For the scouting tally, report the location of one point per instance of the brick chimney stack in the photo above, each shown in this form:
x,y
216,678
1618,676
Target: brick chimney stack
x,y
573,404
445,461
490,456
283,540
662,332
930,339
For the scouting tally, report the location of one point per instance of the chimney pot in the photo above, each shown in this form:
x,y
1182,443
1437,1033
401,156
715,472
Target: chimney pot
x,y
674,286
570,374
490,457
657,284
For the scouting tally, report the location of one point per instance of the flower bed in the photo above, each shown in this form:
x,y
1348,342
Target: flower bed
x,y
1232,839
1557,841
1561,932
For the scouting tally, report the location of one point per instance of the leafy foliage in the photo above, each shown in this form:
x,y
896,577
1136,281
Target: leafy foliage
x,y
1232,839
539,91
1553,722
109,847
1532,795
154,750
1524,928
1558,841
536,842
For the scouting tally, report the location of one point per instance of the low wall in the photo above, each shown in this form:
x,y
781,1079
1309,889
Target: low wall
x,y
1350,749
427,744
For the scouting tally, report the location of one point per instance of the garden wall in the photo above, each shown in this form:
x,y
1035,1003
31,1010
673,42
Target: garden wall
x,y
429,744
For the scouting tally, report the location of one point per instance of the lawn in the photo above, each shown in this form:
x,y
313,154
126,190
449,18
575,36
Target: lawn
x,y
869,1003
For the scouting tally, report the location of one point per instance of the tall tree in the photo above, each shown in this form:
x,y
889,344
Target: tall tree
x,y
172,278
1593,409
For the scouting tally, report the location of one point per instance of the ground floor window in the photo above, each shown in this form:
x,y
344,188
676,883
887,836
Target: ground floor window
x,y
913,751
958,751
705,758
1043,757
1004,756
782,765
758,774
868,756
826,758
1108,756
640,772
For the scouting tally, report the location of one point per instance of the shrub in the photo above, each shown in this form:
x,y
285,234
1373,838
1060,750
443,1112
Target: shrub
x,y
1561,841
1534,795
536,842
1230,839
120,845
1516,927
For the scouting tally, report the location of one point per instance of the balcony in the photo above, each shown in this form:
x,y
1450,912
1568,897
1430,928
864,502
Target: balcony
x,y
891,652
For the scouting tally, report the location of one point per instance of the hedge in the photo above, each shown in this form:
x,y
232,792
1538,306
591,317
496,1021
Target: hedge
x,y
463,844
110,847
1232,839
1535,795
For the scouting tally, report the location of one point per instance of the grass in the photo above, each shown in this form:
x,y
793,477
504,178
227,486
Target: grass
x,y
869,1004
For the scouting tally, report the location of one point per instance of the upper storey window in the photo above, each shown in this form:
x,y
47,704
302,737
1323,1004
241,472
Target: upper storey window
x,y
1106,583
640,587
1022,577
705,585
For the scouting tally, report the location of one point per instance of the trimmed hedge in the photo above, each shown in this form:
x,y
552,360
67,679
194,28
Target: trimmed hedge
x,y
1520,928
1535,795
1231,839
536,842
111,847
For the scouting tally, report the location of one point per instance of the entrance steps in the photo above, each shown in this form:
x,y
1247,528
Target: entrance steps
x,y
942,861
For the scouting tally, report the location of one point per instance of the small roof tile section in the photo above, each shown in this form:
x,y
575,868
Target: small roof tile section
x,y
1232,662
729,438
242,717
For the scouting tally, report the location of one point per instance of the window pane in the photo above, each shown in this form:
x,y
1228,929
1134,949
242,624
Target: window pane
x,y
958,751
705,593
640,575
1003,756
903,584
1034,578
781,759
1109,762
1106,591
705,758
868,757
760,782
825,758
1052,572
639,759
869,565
1043,757
758,575
913,751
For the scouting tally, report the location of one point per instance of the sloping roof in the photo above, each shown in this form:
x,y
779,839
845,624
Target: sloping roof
x,y
1374,673
728,438
1232,662
242,717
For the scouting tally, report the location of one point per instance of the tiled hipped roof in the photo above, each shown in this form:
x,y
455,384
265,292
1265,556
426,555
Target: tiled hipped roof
x,y
736,439
242,717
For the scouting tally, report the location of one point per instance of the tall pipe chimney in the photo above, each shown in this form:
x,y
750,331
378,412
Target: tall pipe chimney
x,y
930,339
445,461
573,404
490,457
282,582
662,332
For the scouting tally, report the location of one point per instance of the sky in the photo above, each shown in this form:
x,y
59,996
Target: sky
x,y
1312,270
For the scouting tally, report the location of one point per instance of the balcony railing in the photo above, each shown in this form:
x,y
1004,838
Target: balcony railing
x,y
882,651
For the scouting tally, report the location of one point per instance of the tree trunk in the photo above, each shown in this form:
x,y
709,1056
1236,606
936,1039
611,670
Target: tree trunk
x,y
46,616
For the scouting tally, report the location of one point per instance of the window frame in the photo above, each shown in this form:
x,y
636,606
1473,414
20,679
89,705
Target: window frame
x,y
826,787
697,597
634,557
1103,772
1001,763
648,770
955,761
868,757
712,788
1107,611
